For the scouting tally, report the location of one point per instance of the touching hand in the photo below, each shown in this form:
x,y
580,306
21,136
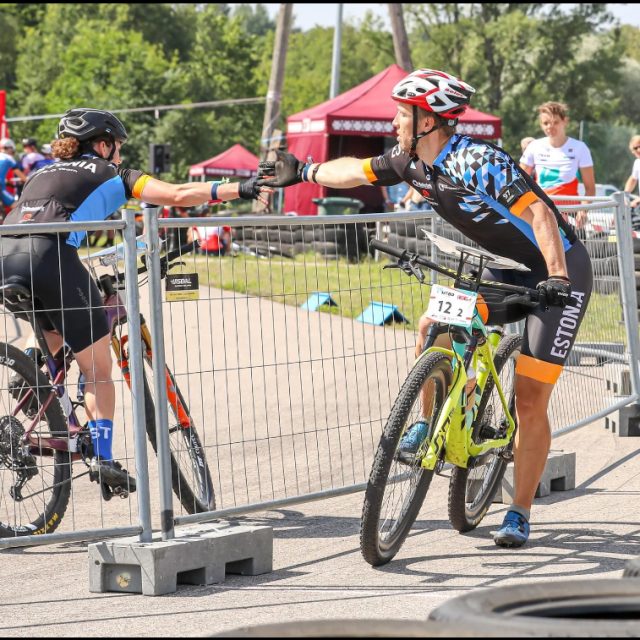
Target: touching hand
x,y
555,291
285,171
251,190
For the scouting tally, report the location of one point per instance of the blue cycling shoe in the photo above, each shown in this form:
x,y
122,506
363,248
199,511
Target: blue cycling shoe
x,y
411,440
514,531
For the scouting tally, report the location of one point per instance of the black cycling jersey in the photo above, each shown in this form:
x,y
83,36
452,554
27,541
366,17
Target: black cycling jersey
x,y
85,188
479,189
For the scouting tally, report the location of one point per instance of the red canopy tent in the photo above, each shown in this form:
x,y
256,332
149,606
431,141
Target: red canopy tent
x,y
358,123
234,162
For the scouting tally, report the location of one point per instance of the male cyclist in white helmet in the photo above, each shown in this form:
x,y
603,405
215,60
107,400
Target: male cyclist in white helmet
x,y
479,189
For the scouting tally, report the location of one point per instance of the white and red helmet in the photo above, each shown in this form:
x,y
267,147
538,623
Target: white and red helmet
x,y
434,91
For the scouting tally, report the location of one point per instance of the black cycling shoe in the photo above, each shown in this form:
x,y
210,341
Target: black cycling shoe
x,y
113,478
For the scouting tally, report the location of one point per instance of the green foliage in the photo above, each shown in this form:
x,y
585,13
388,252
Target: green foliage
x,y
520,55
118,56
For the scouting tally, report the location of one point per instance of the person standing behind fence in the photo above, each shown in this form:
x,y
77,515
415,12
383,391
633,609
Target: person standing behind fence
x,y
213,241
32,159
557,159
8,163
633,180
394,195
87,184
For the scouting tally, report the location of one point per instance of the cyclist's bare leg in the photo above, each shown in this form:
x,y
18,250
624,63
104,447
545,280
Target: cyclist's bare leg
x,y
96,363
426,394
533,438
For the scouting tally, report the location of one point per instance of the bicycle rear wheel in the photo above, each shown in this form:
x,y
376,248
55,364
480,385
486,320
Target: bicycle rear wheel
x,y
471,490
395,491
190,475
35,483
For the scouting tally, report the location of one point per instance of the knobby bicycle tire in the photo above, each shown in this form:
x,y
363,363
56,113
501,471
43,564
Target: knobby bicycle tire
x,y
40,511
376,550
470,496
194,499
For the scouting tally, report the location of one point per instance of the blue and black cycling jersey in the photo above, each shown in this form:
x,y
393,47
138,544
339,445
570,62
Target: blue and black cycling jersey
x,y
479,189
86,188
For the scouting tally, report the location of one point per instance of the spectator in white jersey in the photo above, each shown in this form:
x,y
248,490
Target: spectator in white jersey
x,y
557,159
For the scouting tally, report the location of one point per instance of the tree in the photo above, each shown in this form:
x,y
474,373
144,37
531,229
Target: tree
x,y
519,55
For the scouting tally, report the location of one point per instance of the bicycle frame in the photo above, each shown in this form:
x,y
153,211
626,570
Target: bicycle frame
x,y
452,430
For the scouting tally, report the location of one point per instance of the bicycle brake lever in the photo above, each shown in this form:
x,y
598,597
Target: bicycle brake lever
x,y
409,267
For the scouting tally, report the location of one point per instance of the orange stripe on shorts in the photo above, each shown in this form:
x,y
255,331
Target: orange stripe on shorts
x,y
538,369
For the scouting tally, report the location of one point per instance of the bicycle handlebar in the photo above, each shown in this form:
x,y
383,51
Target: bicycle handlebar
x,y
525,295
170,257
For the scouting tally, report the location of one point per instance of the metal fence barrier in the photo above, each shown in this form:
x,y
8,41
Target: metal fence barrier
x,y
35,473
288,354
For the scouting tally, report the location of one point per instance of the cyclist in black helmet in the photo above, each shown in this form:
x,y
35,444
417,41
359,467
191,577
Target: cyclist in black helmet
x,y
88,183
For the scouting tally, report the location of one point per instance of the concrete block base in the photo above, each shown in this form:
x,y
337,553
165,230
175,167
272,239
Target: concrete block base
x,y
197,555
629,421
559,475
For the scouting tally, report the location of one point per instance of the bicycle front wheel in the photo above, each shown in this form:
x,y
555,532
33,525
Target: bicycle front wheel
x,y
35,482
190,475
396,490
471,490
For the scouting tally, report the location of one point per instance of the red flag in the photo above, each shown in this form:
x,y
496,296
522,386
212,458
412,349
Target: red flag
x,y
4,127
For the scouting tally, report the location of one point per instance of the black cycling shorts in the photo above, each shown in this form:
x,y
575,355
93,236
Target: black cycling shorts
x,y
548,335
66,299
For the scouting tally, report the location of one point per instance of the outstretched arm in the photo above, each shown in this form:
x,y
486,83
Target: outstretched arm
x,y
190,194
287,170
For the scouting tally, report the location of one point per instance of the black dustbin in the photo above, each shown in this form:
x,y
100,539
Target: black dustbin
x,y
338,206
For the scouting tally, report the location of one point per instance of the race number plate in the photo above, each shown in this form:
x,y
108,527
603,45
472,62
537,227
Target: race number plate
x,y
452,306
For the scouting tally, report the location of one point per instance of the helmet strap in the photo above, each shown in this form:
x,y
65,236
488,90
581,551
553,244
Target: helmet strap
x,y
113,149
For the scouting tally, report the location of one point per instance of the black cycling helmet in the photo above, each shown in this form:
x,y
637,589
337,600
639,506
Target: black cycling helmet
x,y
87,124
29,142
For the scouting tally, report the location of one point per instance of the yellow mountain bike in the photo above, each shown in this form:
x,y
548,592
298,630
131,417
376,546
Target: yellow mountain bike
x,y
464,398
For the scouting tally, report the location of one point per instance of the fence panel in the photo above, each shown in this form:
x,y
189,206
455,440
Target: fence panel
x,y
294,352
41,453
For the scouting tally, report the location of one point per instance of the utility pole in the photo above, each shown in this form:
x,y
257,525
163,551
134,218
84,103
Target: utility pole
x,y
276,81
400,40
272,108
337,48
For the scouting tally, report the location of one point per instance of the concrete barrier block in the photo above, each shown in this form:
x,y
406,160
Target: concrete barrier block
x,y
559,475
197,555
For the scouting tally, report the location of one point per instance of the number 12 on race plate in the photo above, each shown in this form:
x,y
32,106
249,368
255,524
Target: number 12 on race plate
x,y
452,306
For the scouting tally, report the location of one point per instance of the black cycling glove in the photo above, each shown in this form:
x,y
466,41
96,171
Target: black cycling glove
x,y
282,172
249,189
555,291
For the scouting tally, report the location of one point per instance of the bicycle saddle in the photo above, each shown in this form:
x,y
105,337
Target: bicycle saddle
x,y
16,296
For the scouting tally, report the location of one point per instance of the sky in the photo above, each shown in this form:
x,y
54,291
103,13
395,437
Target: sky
x,y
307,16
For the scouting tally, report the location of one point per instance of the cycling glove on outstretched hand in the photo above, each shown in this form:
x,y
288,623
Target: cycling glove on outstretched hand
x,y
285,171
555,291
249,189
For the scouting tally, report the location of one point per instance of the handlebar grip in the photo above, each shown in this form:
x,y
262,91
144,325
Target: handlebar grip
x,y
387,248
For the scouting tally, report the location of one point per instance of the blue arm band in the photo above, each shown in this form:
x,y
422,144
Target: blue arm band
x,y
214,190
305,171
